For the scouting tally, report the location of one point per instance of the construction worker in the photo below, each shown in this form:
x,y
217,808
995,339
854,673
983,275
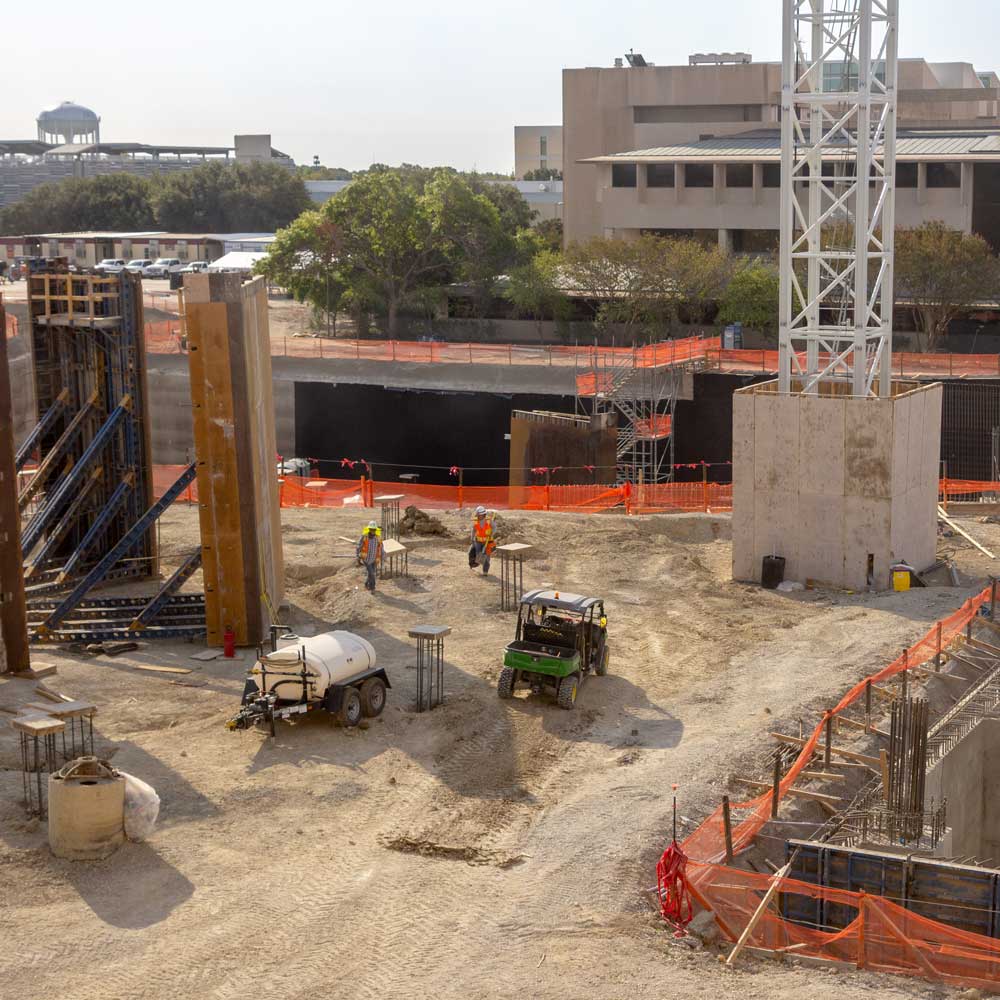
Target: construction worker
x,y
482,540
369,552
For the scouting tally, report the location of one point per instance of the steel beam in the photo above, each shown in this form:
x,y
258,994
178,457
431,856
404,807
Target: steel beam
x,y
44,425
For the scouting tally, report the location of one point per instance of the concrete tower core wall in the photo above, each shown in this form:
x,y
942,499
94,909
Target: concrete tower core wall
x,y
827,480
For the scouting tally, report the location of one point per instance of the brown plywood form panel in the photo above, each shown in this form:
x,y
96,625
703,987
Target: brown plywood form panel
x,y
233,417
13,616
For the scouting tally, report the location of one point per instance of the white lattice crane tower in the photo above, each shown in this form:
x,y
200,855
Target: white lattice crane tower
x,y
838,160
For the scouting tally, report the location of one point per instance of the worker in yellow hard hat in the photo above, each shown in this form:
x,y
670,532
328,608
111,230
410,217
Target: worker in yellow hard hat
x,y
369,551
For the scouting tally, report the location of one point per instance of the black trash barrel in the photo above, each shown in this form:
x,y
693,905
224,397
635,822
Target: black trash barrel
x,y
772,572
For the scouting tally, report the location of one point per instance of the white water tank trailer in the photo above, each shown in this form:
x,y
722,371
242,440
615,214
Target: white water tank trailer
x,y
335,671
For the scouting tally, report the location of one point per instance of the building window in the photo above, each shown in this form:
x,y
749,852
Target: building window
x,y
623,175
659,175
127,249
53,250
906,175
699,175
739,175
182,250
838,76
658,114
944,175
543,146
771,175
79,250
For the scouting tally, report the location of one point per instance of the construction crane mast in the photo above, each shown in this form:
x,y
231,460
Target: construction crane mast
x,y
838,165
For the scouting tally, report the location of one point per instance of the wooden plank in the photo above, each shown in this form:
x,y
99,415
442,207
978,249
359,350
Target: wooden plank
x,y
846,754
159,670
942,516
984,647
852,724
759,912
37,725
800,793
822,776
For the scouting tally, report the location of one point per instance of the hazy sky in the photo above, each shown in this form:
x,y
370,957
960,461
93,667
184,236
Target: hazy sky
x,y
425,81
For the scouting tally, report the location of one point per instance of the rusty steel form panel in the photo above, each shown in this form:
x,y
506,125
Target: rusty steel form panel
x,y
13,616
230,365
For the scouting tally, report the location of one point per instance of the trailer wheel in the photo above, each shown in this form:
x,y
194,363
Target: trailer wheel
x,y
350,707
602,660
568,688
505,683
373,697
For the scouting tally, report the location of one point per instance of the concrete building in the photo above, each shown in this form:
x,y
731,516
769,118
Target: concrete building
x,y
537,147
87,249
69,145
694,150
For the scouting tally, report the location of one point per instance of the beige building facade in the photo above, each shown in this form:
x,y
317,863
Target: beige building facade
x,y
537,147
695,150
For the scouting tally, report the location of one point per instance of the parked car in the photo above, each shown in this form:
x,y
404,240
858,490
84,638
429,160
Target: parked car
x,y
195,267
163,267
139,266
110,265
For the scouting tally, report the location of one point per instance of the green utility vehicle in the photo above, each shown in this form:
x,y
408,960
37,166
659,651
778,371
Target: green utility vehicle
x,y
560,639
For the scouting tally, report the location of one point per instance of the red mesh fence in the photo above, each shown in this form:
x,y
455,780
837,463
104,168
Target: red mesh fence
x,y
884,937
11,330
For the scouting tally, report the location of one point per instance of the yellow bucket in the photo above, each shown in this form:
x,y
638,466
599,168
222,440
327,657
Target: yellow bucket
x,y
900,579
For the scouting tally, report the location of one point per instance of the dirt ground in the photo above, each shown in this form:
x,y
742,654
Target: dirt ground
x,y
486,849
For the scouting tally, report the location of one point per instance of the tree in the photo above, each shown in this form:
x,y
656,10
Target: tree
x,y
220,197
534,289
751,297
390,243
543,174
515,212
317,172
110,201
303,259
551,233
941,271
476,239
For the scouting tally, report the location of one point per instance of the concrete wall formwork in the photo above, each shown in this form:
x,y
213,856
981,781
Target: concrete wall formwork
x,y
828,480
13,615
233,417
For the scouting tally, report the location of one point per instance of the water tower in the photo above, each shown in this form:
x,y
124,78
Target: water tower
x,y
69,123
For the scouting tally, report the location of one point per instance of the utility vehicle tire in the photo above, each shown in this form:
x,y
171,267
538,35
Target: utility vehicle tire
x,y
350,708
601,668
505,683
568,688
373,697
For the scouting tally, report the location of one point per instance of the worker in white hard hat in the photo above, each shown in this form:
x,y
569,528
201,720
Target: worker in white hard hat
x,y
369,551
483,543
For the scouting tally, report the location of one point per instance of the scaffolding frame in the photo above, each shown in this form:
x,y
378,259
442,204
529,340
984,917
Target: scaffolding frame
x,y
643,401
89,510
838,107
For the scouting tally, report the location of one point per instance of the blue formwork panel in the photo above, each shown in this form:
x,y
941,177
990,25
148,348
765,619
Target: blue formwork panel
x,y
961,896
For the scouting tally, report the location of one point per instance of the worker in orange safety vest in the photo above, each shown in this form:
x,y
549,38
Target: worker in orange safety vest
x,y
369,551
483,543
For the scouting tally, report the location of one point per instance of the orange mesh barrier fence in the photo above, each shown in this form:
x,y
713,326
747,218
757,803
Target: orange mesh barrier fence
x,y
654,428
163,338
970,489
11,326
884,937
904,364
881,937
298,491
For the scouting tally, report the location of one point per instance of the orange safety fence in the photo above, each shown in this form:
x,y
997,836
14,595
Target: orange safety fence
x,y
904,364
967,489
11,326
884,937
298,491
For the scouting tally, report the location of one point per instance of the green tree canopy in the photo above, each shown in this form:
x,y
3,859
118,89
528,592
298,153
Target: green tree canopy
x,y
942,271
751,297
112,201
219,197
